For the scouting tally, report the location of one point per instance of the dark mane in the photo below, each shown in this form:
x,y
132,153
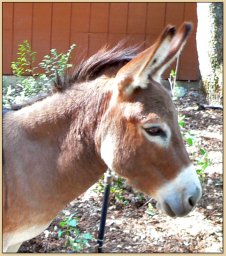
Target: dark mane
x,y
101,61
89,69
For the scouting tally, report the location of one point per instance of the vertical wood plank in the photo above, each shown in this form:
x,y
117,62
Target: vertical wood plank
x,y
174,16
155,18
80,24
61,21
118,18
7,42
189,66
22,25
41,29
174,13
80,17
99,17
155,21
137,18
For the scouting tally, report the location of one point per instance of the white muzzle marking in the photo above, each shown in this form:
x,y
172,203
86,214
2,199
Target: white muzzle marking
x,y
178,197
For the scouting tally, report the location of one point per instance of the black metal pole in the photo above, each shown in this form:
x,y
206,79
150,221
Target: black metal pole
x,y
100,240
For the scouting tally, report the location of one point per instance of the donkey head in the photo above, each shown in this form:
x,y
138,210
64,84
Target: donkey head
x,y
140,136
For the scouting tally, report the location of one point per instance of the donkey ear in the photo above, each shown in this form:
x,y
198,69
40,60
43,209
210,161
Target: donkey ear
x,y
153,61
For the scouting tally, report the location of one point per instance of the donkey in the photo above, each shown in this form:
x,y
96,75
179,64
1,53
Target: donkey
x,y
111,113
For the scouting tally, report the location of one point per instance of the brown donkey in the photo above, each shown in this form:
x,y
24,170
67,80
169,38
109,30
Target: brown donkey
x,y
113,114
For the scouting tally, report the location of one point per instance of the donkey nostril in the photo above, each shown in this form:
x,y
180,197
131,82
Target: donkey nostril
x,y
191,201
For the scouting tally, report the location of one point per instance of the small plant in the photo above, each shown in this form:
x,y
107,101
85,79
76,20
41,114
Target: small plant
x,y
202,163
117,189
28,86
151,211
198,153
172,81
25,60
119,192
76,240
56,62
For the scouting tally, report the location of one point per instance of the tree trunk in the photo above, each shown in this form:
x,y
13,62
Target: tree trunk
x,y
210,49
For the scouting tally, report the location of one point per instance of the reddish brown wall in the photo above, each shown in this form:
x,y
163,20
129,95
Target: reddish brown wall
x,y
91,25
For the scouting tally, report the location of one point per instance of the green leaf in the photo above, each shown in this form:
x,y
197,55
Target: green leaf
x,y
87,236
202,151
181,123
60,233
72,223
172,73
62,223
205,165
189,141
199,171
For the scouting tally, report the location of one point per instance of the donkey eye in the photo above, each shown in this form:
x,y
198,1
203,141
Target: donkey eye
x,y
155,131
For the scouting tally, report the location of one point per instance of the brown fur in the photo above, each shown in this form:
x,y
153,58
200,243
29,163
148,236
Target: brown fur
x,y
52,148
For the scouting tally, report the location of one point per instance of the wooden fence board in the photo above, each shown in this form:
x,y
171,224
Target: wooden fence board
x,y
7,43
189,62
61,26
99,17
118,18
155,18
22,26
41,38
137,18
80,20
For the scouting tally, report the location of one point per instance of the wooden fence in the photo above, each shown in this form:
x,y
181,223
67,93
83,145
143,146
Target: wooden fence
x,y
91,25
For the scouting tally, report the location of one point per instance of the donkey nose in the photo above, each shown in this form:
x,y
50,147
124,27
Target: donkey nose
x,y
180,205
193,199
179,196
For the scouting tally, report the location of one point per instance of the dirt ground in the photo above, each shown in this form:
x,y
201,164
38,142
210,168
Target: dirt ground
x,y
138,226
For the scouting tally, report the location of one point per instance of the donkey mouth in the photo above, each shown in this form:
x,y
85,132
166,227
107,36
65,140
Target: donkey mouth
x,y
179,206
168,210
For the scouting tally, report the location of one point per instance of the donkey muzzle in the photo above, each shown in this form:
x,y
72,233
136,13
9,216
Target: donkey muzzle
x,y
179,196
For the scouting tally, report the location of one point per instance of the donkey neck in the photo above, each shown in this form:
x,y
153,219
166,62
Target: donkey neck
x,y
66,123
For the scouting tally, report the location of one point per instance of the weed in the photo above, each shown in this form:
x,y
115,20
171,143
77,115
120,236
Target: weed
x,y
117,189
198,153
75,240
56,62
29,86
151,211
25,60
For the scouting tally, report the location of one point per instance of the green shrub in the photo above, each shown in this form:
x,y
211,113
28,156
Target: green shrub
x,y
28,83
198,153
76,240
25,60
